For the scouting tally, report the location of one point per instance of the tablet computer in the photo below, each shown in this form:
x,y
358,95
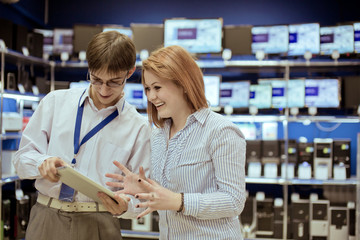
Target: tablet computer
x,y
83,184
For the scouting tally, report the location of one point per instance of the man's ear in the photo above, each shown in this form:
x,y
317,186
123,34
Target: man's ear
x,y
131,71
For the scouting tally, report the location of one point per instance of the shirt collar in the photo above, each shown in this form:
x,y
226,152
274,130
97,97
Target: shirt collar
x,y
199,116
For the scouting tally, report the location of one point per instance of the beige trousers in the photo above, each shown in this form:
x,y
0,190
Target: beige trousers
x,y
52,224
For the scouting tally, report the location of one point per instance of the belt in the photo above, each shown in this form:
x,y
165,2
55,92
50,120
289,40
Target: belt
x,y
70,206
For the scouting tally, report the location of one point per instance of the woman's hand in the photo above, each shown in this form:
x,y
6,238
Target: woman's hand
x,y
158,198
114,207
129,182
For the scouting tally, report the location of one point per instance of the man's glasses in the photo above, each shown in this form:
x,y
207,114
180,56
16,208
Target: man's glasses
x,y
110,84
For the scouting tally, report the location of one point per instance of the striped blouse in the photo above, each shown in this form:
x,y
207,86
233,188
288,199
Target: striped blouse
x,y
205,160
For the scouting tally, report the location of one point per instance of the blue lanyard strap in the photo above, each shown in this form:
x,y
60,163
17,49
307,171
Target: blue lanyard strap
x,y
93,131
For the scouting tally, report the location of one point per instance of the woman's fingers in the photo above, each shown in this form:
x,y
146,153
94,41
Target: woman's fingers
x,y
115,184
122,167
142,173
115,176
146,212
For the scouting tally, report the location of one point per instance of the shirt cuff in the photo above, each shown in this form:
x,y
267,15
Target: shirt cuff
x,y
191,204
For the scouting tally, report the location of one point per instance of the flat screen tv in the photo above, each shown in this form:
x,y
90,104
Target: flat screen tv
x,y
135,95
270,39
295,92
235,94
195,35
322,93
260,95
63,40
340,38
212,89
357,37
304,37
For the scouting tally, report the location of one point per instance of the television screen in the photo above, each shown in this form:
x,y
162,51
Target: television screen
x,y
304,37
135,95
195,35
340,38
124,30
296,92
270,39
357,37
48,44
147,36
80,84
235,94
322,93
212,89
260,96
63,40
83,35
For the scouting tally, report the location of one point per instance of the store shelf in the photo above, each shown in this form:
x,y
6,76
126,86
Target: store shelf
x,y
16,57
351,181
303,119
8,178
296,181
8,136
140,235
21,96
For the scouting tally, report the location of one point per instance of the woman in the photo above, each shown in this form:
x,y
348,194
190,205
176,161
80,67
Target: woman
x,y
197,174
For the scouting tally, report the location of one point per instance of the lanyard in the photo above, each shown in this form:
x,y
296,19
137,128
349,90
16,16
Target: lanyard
x,y
92,132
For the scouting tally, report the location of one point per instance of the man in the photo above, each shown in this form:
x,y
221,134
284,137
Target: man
x,y
88,129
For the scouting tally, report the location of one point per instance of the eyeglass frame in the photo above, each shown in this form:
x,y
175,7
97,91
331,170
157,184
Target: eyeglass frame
x,y
100,82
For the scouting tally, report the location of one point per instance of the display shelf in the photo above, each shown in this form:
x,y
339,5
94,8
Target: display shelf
x,y
13,135
303,119
350,181
220,63
140,234
297,181
22,96
8,178
19,58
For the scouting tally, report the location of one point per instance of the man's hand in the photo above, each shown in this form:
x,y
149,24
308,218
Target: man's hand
x,y
48,168
115,208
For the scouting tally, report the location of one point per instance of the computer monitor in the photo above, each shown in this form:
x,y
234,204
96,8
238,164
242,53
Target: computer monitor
x,y
260,96
235,94
147,36
83,34
123,30
304,37
135,95
296,92
48,42
63,40
195,35
357,37
80,84
322,93
212,89
340,38
237,38
270,39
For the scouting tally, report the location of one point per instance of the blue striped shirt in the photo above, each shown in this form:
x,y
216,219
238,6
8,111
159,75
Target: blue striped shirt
x,y
205,160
